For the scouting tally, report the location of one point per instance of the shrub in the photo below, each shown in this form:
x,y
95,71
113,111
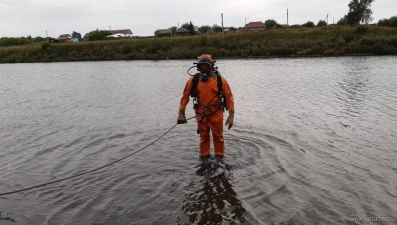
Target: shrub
x,y
321,23
203,40
383,49
361,29
308,24
281,52
125,49
392,41
348,37
393,21
383,22
340,43
45,46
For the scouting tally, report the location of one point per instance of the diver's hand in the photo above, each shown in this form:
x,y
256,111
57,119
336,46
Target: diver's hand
x,y
230,118
181,117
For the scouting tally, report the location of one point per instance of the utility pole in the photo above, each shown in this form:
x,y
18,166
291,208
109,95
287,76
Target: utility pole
x,y
222,21
287,17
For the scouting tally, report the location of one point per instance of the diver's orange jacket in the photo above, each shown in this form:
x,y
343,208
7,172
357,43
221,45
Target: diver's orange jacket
x,y
207,94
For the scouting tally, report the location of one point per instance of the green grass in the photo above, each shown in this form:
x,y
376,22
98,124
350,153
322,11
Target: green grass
x,y
316,41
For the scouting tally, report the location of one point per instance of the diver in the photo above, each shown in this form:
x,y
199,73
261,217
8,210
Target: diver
x,y
211,95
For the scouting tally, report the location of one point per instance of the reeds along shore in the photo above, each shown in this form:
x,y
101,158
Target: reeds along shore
x,y
317,41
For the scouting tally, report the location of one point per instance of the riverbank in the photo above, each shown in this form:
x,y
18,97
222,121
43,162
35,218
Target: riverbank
x,y
316,41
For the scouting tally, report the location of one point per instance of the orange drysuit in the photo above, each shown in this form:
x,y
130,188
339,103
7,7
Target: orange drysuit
x,y
209,102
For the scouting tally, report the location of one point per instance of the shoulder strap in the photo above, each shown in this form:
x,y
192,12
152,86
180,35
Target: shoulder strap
x,y
219,81
193,91
220,92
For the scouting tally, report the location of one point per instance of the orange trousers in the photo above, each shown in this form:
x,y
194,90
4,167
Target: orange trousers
x,y
213,122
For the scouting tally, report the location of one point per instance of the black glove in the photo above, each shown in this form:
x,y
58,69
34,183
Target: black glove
x,y
181,117
230,119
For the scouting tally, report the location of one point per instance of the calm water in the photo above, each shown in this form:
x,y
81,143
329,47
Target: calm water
x,y
314,142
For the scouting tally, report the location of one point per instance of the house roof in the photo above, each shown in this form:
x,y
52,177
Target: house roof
x,y
165,31
255,25
124,31
181,30
64,36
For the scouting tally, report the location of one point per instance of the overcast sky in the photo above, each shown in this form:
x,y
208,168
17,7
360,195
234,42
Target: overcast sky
x,y
35,17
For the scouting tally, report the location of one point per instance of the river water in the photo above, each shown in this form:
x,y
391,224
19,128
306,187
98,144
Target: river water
x,y
314,142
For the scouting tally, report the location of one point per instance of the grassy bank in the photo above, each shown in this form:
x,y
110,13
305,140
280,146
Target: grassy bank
x,y
316,41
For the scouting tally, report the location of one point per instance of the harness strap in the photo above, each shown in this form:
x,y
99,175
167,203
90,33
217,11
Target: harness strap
x,y
194,93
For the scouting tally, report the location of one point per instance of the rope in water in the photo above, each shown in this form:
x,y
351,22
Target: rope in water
x,y
93,170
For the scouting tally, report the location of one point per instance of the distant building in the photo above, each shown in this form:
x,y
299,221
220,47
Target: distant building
x,y
87,37
255,26
197,30
77,39
164,32
124,32
182,32
65,38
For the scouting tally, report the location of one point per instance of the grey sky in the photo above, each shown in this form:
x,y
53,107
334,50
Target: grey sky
x,y
34,17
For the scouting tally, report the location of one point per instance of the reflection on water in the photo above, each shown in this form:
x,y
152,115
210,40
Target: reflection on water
x,y
213,200
355,84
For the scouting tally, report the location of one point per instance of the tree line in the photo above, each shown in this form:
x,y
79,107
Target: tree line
x,y
359,13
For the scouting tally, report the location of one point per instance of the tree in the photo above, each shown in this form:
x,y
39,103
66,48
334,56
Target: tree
x,y
232,28
39,39
308,24
383,22
76,35
393,21
359,11
342,21
189,27
271,23
216,28
96,35
204,29
321,23
173,29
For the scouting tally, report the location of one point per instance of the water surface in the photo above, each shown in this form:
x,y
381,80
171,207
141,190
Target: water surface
x,y
314,142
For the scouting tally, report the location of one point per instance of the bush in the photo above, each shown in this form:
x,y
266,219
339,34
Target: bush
x,y
393,21
125,49
203,40
392,41
281,52
383,49
45,46
348,37
308,24
383,22
362,29
303,44
271,23
321,23
340,43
